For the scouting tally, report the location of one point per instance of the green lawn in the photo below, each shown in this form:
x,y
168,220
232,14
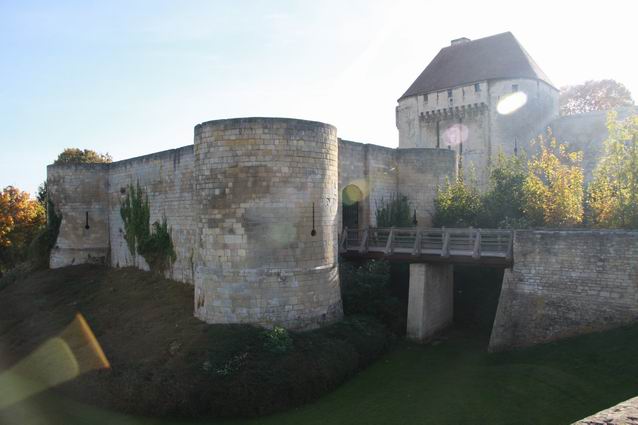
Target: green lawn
x,y
453,382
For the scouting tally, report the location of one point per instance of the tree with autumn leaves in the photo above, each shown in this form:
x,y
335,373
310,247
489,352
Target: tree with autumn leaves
x,y
21,218
601,95
547,191
553,189
613,193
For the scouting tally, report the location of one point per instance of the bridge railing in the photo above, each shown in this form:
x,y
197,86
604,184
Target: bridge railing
x,y
444,242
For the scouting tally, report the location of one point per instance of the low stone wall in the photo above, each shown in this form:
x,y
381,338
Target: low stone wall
x,y
566,283
625,413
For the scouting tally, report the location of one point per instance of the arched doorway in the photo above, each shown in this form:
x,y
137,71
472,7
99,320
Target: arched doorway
x,y
351,197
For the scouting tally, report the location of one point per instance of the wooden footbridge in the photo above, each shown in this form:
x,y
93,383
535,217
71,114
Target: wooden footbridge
x,y
453,246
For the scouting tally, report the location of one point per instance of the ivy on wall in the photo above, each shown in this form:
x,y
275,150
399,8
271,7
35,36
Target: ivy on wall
x,y
154,242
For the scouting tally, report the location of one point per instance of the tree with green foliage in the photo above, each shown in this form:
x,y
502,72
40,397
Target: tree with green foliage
x,y
613,193
504,202
553,188
79,156
136,214
457,204
594,96
394,212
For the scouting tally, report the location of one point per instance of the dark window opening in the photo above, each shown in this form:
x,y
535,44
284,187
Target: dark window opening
x,y
477,87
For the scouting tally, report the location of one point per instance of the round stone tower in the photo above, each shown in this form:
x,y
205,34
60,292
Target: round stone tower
x,y
266,216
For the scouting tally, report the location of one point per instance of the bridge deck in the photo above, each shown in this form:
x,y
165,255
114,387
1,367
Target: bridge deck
x,y
458,246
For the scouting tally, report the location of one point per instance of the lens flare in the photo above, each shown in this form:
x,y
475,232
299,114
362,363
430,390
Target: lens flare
x,y
511,103
456,134
351,194
58,360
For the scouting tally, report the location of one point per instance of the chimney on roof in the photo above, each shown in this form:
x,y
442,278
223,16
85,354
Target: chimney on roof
x,y
460,41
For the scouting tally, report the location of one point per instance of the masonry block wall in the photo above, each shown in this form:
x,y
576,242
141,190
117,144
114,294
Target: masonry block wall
x,y
381,173
566,283
468,122
266,214
239,206
79,194
167,179
421,173
587,133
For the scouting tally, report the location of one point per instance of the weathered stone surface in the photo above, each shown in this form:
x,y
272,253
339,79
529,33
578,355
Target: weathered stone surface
x,y
469,120
381,173
259,260
625,413
587,133
167,180
431,299
239,205
79,195
566,283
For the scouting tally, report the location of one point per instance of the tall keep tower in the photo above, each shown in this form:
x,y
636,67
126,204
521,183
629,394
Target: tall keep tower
x,y
453,104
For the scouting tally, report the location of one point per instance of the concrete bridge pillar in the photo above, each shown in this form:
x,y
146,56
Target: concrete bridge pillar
x,y
430,303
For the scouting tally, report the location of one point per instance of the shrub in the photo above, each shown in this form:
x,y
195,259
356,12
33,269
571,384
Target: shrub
x,y
41,246
394,212
157,249
504,202
458,204
365,290
277,340
260,381
156,245
553,188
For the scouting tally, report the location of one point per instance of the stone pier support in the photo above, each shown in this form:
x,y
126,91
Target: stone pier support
x,y
430,304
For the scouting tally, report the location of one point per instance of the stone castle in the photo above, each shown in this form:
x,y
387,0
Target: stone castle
x,y
454,103
255,205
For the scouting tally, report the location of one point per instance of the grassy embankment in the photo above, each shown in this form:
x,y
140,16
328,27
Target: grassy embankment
x,y
454,381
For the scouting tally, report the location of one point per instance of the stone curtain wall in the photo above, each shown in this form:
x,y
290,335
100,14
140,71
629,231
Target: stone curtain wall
x,y
382,172
425,121
256,180
587,133
75,190
352,170
239,207
421,172
381,166
167,178
566,283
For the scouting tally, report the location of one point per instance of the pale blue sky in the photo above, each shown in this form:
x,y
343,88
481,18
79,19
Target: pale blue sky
x,y
135,77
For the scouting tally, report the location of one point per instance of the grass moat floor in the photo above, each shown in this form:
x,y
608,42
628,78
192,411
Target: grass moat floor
x,y
453,381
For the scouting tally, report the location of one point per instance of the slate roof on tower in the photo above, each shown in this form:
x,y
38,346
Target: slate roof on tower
x,y
499,56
